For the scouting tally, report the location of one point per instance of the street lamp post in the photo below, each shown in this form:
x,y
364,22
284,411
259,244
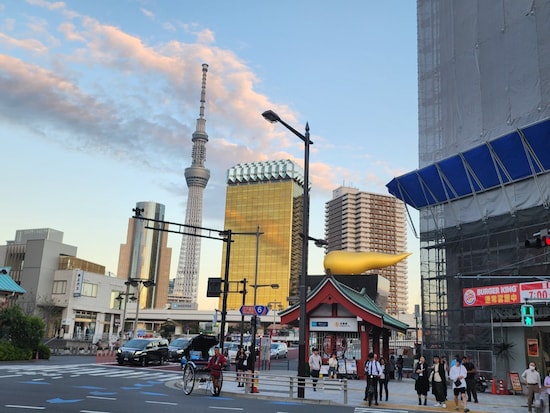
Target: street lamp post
x,y
272,117
254,318
137,283
124,296
243,292
273,306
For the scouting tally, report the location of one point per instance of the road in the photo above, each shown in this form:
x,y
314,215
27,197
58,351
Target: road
x,y
63,386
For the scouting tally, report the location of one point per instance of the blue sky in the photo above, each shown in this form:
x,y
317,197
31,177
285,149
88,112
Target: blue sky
x,y
98,101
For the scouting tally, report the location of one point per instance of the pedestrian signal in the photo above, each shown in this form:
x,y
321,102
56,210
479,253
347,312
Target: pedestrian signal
x,y
527,315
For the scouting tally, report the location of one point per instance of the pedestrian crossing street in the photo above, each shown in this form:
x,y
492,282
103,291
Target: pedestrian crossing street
x,y
78,370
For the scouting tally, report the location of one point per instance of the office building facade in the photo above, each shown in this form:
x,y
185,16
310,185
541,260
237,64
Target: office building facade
x,y
267,196
146,256
362,221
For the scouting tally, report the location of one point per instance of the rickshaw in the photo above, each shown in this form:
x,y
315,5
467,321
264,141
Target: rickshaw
x,y
194,364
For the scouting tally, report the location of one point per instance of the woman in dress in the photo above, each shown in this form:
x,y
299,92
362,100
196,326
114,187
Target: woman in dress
x,y
216,364
422,384
240,361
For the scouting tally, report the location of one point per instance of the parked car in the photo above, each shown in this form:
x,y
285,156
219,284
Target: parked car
x,y
142,351
279,350
230,351
176,348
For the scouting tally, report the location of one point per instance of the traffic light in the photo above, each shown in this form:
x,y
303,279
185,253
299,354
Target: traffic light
x,y
214,287
527,315
540,240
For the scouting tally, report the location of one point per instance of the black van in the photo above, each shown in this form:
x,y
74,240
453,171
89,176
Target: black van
x,y
142,351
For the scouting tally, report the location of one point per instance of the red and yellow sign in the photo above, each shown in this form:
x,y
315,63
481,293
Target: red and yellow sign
x,y
491,295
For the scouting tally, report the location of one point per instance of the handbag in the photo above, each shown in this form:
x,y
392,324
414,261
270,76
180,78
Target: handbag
x,y
458,383
537,403
415,376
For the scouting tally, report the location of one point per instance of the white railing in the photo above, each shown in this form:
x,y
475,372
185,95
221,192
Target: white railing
x,y
287,386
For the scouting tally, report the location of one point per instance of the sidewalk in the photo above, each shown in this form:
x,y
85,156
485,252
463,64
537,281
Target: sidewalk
x,y
402,395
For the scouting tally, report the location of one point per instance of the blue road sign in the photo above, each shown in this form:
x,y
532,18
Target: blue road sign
x,y
261,309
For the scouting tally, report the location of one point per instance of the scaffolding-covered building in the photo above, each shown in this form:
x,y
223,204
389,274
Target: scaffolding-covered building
x,y
482,187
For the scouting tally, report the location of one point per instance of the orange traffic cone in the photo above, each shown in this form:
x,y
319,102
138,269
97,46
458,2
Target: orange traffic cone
x,y
501,387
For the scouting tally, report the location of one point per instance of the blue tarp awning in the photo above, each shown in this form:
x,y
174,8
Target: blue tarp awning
x,y
510,158
8,285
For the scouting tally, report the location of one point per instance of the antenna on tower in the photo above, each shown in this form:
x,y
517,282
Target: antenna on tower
x,y
200,132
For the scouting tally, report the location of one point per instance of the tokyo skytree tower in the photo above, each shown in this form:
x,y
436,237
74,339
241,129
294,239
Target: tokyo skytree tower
x,y
196,176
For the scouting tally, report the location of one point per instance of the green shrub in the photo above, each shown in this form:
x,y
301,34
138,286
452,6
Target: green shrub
x,y
9,352
44,352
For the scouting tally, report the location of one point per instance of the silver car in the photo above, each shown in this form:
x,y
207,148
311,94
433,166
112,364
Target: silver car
x,y
279,350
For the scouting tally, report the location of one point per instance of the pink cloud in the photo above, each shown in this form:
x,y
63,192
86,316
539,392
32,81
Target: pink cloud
x,y
68,29
31,45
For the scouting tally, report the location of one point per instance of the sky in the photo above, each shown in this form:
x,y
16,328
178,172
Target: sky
x,y
99,100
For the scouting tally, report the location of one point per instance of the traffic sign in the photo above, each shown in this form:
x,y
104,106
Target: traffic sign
x,y
248,310
254,310
537,290
262,310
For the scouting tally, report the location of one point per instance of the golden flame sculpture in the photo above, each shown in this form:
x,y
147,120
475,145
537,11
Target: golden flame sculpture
x,y
349,262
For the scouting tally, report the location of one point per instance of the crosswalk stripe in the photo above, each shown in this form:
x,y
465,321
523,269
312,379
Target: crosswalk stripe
x,y
57,372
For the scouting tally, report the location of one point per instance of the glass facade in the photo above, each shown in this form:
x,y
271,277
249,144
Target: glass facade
x,y
146,256
275,205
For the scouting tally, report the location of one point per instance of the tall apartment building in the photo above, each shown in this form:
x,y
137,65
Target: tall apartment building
x,y
362,221
268,195
147,257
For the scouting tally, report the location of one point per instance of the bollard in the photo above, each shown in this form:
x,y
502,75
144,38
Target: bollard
x,y
255,382
493,386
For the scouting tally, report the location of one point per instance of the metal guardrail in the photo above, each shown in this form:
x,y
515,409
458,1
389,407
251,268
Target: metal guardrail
x,y
287,386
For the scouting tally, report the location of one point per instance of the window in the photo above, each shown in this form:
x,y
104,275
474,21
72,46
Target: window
x,y
59,287
89,290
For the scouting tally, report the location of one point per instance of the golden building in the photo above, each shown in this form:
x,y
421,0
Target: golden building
x,y
264,198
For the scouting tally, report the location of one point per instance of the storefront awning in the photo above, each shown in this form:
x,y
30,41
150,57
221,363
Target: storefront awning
x,y
519,155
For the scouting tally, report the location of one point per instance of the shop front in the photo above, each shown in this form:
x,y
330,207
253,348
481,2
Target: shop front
x,y
347,322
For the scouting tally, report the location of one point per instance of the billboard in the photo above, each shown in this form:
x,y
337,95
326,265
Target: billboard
x,y
491,295
506,294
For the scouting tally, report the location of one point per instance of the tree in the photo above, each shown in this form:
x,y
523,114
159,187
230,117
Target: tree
x,y
504,351
20,330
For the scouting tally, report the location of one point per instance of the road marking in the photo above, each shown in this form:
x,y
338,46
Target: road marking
x,y
93,411
225,408
156,402
101,397
377,410
18,406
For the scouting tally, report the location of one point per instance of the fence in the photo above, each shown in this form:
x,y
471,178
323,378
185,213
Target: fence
x,y
287,386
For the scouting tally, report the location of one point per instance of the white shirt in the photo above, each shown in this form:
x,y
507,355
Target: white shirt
x,y
456,371
531,377
315,362
373,367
